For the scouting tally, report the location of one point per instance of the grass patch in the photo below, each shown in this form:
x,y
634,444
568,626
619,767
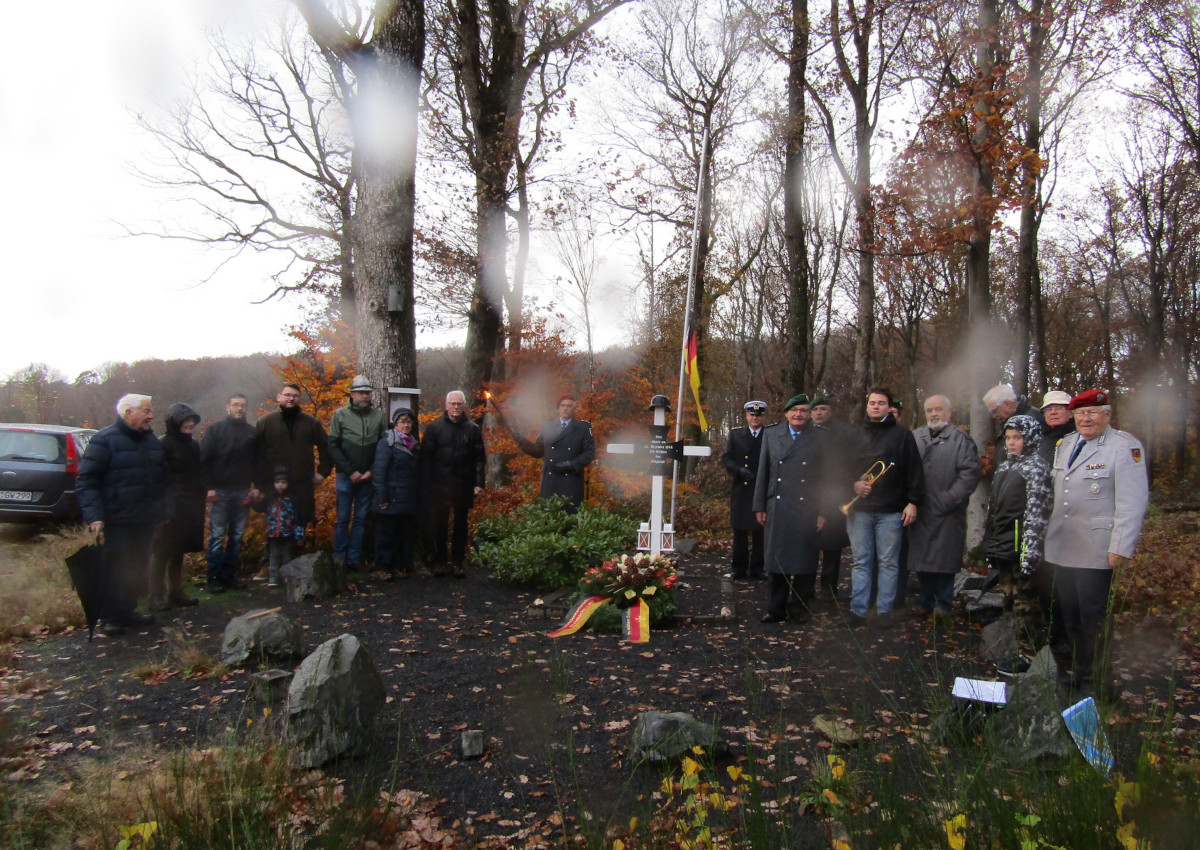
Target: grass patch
x,y
38,598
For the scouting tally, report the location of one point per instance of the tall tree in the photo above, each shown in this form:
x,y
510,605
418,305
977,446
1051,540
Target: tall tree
x,y
484,56
864,40
385,65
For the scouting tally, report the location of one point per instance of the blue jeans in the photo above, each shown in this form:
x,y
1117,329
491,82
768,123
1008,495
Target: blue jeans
x,y
226,525
353,501
874,538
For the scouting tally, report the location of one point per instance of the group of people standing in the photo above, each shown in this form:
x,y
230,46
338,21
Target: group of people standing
x,y
1068,493
145,498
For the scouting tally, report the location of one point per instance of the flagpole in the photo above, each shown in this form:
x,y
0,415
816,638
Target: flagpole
x,y
687,312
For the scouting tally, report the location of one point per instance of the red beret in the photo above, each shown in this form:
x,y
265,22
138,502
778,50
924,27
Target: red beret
x,y
565,397
1090,398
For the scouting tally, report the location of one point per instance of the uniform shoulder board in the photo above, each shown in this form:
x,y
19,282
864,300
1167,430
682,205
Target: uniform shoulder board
x,y
1059,443
738,428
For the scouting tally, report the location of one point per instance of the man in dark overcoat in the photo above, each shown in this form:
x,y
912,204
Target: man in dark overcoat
x,y
121,485
288,438
790,502
453,472
742,450
938,538
566,446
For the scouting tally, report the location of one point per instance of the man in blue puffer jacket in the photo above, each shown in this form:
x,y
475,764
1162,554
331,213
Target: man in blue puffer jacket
x,y
121,487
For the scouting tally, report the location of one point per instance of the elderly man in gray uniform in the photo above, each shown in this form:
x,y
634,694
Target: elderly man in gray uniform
x,y
1100,497
938,537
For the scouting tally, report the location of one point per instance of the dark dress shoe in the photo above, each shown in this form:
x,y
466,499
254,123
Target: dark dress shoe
x,y
772,618
215,586
759,576
111,628
734,576
136,619
235,584
182,600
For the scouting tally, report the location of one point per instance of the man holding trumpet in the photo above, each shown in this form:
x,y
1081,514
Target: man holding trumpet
x,y
885,503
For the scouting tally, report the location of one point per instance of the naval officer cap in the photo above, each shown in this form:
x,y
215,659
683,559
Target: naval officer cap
x,y
1089,398
798,398
756,407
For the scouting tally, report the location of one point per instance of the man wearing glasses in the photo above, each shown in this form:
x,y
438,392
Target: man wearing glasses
x,y
1100,497
452,473
288,438
742,449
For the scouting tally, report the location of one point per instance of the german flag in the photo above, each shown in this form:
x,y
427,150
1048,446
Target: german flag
x,y
635,622
578,615
693,370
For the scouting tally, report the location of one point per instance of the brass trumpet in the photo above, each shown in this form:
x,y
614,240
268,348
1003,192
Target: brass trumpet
x,y
877,471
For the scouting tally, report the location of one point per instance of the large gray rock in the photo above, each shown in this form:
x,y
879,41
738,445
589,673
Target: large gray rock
x,y
661,736
333,700
259,637
314,576
1031,726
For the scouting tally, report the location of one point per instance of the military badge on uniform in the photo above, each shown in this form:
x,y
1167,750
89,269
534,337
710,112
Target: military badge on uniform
x,y
1095,488
1137,455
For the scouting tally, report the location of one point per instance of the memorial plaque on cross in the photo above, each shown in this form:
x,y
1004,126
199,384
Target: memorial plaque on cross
x,y
655,536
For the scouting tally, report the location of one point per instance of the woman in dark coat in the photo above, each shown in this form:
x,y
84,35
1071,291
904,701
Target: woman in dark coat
x,y
184,529
395,475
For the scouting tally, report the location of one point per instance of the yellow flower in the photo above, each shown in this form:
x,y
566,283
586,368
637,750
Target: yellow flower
x,y
649,590
837,767
690,766
833,798
629,594
954,836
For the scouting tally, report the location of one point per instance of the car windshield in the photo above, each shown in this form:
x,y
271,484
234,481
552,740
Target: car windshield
x,y
30,447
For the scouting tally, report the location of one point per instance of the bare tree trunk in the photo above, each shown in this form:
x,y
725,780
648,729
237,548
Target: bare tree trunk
x,y
388,72
979,287
798,330
1027,278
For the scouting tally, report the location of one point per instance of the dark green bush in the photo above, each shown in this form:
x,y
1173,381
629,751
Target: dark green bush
x,y
541,545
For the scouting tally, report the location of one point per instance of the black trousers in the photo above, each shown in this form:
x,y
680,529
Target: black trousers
x,y
831,568
393,541
458,505
126,567
747,553
1083,595
785,591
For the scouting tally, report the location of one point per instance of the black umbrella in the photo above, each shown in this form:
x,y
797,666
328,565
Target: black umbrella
x,y
86,576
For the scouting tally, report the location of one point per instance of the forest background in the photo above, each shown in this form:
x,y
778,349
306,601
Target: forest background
x,y
939,196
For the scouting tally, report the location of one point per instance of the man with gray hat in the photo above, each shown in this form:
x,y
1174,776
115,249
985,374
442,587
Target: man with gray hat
x,y
742,450
354,432
1059,422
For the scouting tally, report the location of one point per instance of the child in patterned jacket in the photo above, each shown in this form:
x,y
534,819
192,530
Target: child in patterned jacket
x,y
283,529
1014,537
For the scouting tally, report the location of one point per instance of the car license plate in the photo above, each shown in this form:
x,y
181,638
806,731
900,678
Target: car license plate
x,y
15,496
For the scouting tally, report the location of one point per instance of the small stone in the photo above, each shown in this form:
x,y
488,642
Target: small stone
x,y
261,635
472,744
662,736
270,687
314,576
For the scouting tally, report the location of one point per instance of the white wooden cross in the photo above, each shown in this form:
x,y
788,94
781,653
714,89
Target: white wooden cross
x,y
655,536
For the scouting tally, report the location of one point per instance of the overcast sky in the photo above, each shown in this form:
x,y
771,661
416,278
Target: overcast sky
x,y
76,292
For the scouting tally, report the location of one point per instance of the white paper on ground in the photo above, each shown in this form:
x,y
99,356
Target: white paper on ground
x,y
977,689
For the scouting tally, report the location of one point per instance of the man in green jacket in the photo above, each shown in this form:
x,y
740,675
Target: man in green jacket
x,y
354,432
